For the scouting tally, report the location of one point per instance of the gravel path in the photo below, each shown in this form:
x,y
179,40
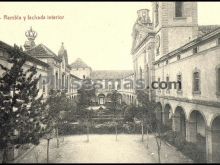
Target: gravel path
x,y
104,149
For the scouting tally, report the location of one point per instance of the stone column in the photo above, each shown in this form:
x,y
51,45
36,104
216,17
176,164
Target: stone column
x,y
213,145
208,145
165,118
176,123
191,131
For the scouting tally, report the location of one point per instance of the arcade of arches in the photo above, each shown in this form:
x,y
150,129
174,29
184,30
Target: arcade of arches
x,y
103,98
194,126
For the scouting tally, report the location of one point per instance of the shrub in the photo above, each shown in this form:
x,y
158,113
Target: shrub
x,y
130,113
179,141
189,149
169,136
106,127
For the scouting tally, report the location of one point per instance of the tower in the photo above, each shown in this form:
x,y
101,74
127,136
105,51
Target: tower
x,y
62,53
142,27
175,24
31,35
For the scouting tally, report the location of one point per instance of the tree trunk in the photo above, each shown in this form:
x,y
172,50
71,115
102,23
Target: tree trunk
x,y
4,159
87,128
158,155
147,139
142,131
48,146
116,131
57,137
134,127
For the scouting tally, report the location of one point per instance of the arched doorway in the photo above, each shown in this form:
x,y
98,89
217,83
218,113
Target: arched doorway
x,y
215,133
179,120
197,130
167,116
101,100
158,112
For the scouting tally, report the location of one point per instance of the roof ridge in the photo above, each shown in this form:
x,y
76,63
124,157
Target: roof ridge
x,y
48,49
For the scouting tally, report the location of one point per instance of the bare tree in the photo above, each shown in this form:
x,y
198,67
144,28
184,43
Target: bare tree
x,y
157,136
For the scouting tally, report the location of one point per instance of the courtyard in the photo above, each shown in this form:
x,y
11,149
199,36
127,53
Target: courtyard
x,y
103,149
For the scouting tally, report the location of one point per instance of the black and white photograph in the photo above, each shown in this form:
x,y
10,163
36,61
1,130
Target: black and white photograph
x,y
110,82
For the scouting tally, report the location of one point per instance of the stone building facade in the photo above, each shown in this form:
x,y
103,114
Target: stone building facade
x,y
59,74
54,68
42,67
182,51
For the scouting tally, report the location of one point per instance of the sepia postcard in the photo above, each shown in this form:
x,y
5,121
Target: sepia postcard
x,y
110,82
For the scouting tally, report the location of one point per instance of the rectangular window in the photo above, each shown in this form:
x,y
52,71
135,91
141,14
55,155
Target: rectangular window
x,y
178,9
57,81
63,81
196,82
44,88
67,84
168,80
195,50
179,80
218,80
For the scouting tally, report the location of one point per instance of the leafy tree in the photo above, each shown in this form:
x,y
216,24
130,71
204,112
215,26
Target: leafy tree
x,y
85,94
148,111
130,113
115,98
22,111
71,110
56,103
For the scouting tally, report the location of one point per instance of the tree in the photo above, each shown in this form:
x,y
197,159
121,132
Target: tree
x,y
56,102
115,97
22,111
130,113
148,111
85,95
86,115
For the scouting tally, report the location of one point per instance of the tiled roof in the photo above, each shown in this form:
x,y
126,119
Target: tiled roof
x,y
110,74
204,29
79,63
42,51
6,47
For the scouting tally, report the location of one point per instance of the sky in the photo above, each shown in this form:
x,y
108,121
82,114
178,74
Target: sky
x,y
97,32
